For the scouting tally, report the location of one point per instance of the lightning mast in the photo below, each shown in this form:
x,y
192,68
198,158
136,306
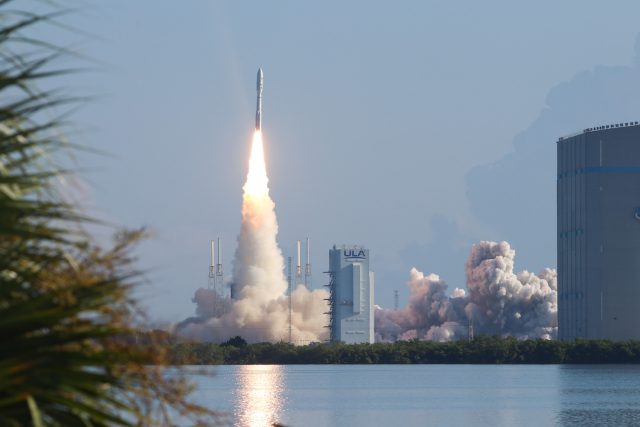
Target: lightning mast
x,y
299,267
212,267
307,267
216,276
215,267
219,273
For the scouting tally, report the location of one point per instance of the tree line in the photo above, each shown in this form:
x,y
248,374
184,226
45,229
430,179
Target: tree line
x,y
482,350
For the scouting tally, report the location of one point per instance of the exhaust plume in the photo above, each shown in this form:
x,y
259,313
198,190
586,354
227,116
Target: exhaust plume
x,y
498,302
260,308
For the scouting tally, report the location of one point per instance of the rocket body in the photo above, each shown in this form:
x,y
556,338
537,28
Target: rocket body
x,y
259,84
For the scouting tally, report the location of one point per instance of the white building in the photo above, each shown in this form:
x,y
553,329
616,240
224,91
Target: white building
x,y
351,295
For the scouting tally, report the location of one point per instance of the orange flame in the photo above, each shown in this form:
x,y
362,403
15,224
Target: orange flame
x,y
257,185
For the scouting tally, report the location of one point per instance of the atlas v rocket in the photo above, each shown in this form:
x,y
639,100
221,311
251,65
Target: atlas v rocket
x,y
259,84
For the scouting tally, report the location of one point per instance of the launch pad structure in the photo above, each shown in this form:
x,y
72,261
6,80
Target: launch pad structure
x,y
298,278
223,293
304,277
351,295
215,267
216,279
307,267
331,302
298,267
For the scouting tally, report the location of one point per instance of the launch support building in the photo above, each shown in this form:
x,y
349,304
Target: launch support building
x,y
598,191
351,295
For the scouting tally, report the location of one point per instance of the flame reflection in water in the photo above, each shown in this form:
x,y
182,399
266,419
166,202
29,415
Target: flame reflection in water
x,y
258,396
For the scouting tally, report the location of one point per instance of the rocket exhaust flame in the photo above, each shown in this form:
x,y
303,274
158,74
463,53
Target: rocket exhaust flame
x,y
256,187
260,310
499,300
258,264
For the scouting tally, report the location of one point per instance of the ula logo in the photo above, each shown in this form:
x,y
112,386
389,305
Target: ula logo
x,y
352,253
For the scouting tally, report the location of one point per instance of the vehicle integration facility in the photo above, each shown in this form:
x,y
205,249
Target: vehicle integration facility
x,y
598,195
351,291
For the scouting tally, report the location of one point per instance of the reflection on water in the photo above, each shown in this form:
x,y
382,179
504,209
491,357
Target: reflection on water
x,y
418,395
599,395
258,395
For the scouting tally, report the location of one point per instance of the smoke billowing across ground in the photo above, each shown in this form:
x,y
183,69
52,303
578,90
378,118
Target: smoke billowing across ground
x,y
498,302
260,309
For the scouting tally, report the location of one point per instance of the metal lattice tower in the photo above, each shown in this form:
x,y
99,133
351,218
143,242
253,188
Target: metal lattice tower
x,y
290,282
332,303
396,299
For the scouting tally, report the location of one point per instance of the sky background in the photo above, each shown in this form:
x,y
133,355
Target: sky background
x,y
414,128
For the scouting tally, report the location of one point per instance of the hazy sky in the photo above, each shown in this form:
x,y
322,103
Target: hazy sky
x,y
375,114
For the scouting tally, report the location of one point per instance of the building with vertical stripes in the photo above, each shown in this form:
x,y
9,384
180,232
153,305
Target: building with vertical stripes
x,y
351,300
598,207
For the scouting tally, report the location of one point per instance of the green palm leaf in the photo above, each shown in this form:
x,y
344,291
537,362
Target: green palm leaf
x,y
66,356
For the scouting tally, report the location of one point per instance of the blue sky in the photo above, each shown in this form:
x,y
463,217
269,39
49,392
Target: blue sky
x,y
414,128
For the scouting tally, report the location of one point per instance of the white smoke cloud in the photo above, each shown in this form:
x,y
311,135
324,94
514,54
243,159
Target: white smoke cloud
x,y
209,303
266,321
260,308
498,302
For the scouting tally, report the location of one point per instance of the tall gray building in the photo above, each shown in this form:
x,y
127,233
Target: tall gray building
x,y
351,299
599,233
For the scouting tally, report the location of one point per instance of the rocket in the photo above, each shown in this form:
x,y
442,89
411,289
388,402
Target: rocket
x,y
259,84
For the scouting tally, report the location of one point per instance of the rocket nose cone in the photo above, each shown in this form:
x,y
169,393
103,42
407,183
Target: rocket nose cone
x,y
259,79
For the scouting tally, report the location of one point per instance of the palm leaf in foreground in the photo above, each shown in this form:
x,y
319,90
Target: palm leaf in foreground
x,y
66,356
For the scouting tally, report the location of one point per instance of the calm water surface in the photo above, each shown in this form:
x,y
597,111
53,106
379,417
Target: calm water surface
x,y
424,395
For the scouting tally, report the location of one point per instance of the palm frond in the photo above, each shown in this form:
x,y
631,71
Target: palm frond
x,y
67,357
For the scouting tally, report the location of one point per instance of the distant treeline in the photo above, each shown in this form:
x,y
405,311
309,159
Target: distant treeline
x,y
482,350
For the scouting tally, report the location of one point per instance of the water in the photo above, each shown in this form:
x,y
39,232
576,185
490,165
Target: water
x,y
424,395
